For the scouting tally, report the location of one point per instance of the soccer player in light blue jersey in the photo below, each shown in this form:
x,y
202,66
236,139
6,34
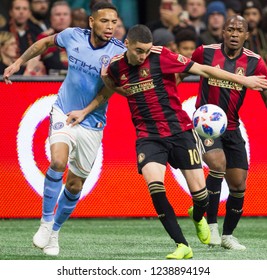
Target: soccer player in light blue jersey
x,y
75,145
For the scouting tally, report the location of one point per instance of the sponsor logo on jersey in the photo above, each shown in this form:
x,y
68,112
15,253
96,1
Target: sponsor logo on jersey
x,y
138,87
76,50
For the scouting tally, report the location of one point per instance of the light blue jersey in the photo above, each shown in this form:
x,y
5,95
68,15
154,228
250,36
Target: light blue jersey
x,y
83,80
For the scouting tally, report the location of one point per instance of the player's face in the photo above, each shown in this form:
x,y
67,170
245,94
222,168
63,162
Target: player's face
x,y
235,34
137,52
103,24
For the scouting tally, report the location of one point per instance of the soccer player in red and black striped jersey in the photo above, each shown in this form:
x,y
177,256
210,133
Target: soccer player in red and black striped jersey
x,y
145,74
226,156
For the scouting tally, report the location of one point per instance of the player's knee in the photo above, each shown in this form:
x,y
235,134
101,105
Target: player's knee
x,y
58,165
74,185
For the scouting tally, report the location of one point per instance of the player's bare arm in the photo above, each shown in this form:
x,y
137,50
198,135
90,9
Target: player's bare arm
x,y
34,50
252,82
77,116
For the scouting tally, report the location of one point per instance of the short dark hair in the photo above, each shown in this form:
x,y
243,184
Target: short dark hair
x,y
185,34
103,5
140,33
238,18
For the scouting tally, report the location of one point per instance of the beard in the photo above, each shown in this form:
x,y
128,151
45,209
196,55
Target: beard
x,y
40,16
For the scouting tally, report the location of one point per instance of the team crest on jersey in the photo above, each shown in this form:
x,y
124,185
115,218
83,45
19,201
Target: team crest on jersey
x,y
208,142
141,157
144,72
58,125
240,71
182,59
104,60
123,77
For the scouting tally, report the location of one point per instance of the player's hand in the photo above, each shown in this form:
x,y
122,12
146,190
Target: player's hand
x,y
256,82
9,71
75,117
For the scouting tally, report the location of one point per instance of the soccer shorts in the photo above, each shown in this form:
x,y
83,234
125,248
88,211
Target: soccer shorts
x,y
234,147
180,151
83,143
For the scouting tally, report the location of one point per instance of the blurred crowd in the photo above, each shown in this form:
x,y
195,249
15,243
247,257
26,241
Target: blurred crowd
x,y
182,26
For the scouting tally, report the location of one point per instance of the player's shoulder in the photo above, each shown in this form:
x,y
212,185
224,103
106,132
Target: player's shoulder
x,y
250,53
117,58
157,49
212,46
117,43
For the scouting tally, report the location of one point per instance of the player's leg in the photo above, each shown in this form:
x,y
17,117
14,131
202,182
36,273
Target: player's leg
x,y
81,160
196,184
236,179
154,175
215,159
60,144
236,175
186,156
66,205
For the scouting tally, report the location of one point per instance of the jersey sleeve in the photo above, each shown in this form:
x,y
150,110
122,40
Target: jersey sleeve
x,y
171,62
261,68
63,38
197,55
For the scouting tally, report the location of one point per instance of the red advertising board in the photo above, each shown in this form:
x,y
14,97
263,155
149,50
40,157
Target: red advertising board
x,y
114,188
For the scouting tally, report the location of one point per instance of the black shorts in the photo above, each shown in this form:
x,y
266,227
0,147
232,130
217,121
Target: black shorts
x,y
180,151
233,145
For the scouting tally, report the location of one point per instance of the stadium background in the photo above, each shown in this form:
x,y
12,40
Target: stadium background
x,y
119,190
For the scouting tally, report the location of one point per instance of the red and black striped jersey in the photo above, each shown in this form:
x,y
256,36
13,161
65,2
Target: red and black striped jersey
x,y
227,95
152,93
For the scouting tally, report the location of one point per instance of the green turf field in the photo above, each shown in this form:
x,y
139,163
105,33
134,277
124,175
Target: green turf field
x,y
126,239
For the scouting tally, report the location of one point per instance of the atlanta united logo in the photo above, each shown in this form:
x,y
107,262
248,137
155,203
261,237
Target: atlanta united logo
x,y
240,71
104,60
208,142
144,72
141,157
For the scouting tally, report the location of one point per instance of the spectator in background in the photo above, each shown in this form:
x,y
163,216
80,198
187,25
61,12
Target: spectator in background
x,y
39,20
54,58
8,55
196,10
185,40
164,37
19,24
257,40
79,18
215,17
233,7
120,31
169,11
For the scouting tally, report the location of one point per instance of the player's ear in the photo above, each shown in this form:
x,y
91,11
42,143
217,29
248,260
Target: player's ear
x,y
126,43
247,35
91,21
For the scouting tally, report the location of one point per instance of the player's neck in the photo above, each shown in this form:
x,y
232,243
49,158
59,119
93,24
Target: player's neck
x,y
232,53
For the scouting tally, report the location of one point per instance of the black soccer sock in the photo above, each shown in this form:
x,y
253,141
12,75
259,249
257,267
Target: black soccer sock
x,y
214,186
165,212
201,203
234,210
